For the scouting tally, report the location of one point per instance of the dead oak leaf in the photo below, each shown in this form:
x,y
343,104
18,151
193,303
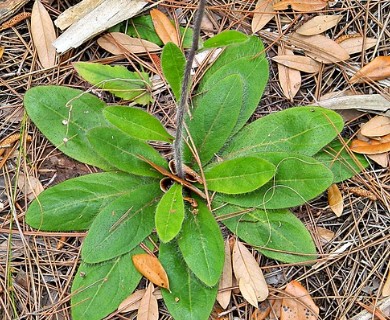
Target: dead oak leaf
x,y
377,69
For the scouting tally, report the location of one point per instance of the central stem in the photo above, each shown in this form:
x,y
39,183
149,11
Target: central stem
x,y
182,107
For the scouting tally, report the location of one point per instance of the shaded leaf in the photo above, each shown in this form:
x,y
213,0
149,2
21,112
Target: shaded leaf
x,y
376,127
137,123
289,79
117,80
239,175
225,38
335,200
173,64
301,63
377,69
370,147
249,275
319,24
201,245
132,302
170,213
277,234
226,282
43,35
142,27
189,298
29,185
164,27
301,5
148,307
151,268
262,14
357,44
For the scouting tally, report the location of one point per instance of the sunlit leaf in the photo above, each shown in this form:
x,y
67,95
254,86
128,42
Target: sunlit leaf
x,y
164,27
225,38
262,14
377,69
319,24
301,5
226,282
148,307
151,268
335,200
173,63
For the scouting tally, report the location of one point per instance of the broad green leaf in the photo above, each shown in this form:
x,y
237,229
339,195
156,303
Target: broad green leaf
x,y
225,38
98,289
122,225
141,27
277,234
239,175
123,151
173,64
303,130
342,164
189,298
170,213
117,80
201,244
214,117
73,204
137,123
298,179
248,61
64,115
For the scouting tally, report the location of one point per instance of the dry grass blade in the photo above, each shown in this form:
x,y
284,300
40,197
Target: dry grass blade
x,y
335,200
148,307
289,79
319,24
301,5
164,27
226,282
262,14
356,44
120,43
301,63
376,127
43,35
377,69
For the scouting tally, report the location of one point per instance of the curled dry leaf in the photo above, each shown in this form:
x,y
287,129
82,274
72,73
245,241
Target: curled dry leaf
x,y
30,186
298,304
325,235
377,69
376,127
335,200
120,43
370,147
249,275
133,301
356,43
319,24
301,63
301,5
164,27
289,79
43,35
148,307
262,14
320,48
226,282
151,268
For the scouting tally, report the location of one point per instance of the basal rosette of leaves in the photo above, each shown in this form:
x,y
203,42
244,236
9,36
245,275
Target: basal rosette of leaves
x,y
257,172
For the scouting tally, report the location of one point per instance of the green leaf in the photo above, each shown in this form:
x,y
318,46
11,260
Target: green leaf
x,y
239,175
123,151
64,113
225,38
303,130
98,289
248,61
73,204
142,27
201,244
173,64
342,164
272,232
298,179
122,225
214,117
170,213
117,80
189,298
137,123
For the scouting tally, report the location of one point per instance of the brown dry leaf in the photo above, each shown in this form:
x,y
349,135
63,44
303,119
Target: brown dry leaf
x,y
249,275
376,127
381,158
30,186
148,307
386,286
132,302
289,79
301,5
362,193
335,200
151,268
355,44
370,147
300,307
319,24
263,311
326,235
1,51
321,48
164,27
301,63
262,14
120,43
224,294
275,309
43,35
377,69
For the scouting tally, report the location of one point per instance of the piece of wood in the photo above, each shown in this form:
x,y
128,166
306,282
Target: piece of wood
x,y
104,16
9,7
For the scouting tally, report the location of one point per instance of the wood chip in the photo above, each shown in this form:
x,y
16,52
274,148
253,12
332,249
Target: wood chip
x,y
377,69
355,44
301,5
262,14
376,127
9,8
301,63
289,79
319,24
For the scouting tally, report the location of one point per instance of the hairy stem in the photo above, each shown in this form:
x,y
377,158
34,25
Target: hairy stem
x,y
181,109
